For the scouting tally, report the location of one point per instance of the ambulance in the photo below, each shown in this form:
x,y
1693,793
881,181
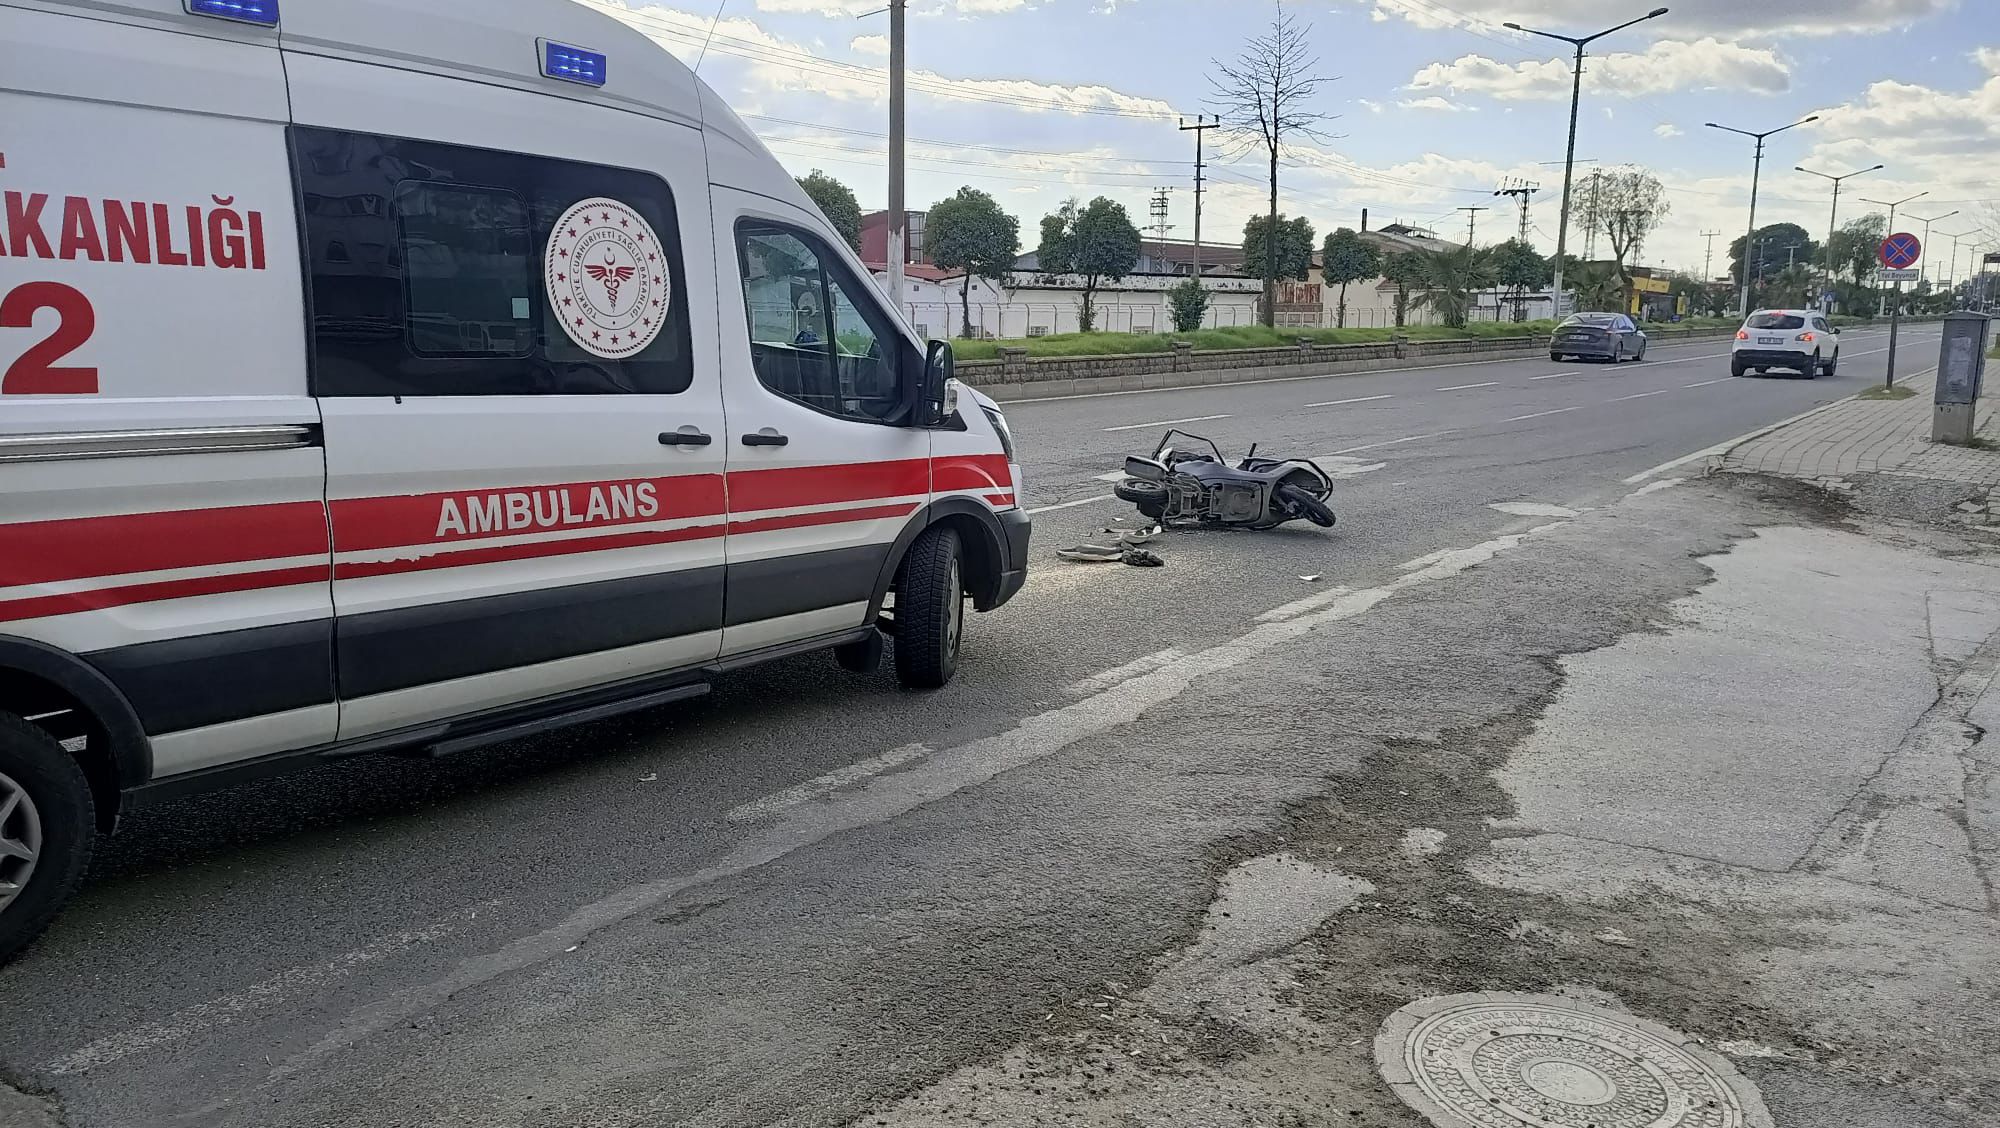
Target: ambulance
x,y
408,375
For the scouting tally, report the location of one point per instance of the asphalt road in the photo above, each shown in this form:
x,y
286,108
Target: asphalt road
x,y
811,892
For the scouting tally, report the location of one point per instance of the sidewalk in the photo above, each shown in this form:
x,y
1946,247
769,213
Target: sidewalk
x,y
1861,436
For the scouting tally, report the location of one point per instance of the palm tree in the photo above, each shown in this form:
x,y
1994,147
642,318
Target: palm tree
x,y
1457,275
1598,287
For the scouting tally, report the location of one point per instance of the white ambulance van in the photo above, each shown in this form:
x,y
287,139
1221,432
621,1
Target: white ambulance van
x,y
380,375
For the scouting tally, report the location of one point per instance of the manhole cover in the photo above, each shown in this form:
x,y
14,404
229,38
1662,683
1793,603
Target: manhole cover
x,y
1542,1061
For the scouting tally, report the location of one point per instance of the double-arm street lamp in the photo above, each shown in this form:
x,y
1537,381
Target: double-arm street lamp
x,y
1756,170
1927,230
1882,301
1569,155
1834,215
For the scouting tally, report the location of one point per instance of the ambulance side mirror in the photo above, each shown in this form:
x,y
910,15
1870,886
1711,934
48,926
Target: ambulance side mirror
x,y
937,395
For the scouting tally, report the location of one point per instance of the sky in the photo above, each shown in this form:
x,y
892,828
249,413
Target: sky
x,y
1431,105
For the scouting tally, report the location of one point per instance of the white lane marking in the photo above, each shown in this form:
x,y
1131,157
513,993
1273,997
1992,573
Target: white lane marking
x,y
819,787
1725,446
306,979
1098,683
1469,387
1357,399
1639,395
1539,414
1080,501
1390,442
871,803
1532,509
1114,476
1706,383
1552,376
1345,466
1336,604
1167,422
1655,487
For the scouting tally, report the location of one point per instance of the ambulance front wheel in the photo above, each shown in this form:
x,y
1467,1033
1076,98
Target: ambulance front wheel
x,y
930,609
47,830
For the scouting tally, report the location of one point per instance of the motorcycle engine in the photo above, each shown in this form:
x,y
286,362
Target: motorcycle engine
x,y
1232,502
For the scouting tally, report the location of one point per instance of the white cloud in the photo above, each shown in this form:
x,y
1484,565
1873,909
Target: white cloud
x,y
870,45
1434,102
1699,17
1663,67
1666,129
1989,58
775,65
1369,104
847,8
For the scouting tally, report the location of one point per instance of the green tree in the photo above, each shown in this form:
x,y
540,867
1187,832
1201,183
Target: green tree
x,y
1455,275
1406,271
835,201
1096,241
1856,244
1348,258
969,233
1599,286
1778,245
1517,266
1294,244
1189,303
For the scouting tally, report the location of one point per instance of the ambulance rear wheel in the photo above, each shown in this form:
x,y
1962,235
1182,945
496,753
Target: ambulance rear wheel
x,y
47,830
930,610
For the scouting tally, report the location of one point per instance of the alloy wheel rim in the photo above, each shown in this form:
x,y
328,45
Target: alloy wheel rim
x,y
20,839
957,611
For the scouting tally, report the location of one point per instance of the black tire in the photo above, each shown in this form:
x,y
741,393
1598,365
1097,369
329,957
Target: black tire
x,y
1555,358
1306,505
1738,368
1150,497
1618,353
1813,367
930,610
1832,366
52,806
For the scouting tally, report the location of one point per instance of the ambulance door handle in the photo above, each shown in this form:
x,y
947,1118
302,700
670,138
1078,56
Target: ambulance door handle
x,y
765,437
686,436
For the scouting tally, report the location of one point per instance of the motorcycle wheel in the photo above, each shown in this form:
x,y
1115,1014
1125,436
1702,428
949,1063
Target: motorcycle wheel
x,y
1150,497
1302,504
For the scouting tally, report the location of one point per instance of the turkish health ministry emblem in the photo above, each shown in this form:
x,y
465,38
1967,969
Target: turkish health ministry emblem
x,y
607,279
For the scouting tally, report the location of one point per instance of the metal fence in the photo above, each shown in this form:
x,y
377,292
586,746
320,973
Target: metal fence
x,y
1015,320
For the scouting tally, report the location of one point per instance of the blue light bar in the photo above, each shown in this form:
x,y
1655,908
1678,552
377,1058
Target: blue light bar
x,y
571,64
262,12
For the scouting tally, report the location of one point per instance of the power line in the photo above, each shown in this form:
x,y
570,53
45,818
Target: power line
x,y
964,144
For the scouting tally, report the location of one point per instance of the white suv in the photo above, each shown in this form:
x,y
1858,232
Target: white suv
x,y
1798,339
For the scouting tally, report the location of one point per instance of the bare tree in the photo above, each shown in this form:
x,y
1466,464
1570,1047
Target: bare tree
x,y
1628,204
1265,96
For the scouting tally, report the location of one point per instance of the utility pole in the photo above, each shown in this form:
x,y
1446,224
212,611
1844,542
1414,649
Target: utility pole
x,y
1708,256
899,218
1756,170
1521,190
1569,156
1833,215
1472,221
1591,210
1198,128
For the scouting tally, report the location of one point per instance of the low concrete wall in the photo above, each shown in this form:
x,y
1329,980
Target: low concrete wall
x,y
1016,375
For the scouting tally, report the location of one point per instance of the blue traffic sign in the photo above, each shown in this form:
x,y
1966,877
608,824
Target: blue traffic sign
x,y
1900,251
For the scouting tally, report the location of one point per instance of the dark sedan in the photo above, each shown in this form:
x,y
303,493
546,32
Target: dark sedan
x,y
1598,336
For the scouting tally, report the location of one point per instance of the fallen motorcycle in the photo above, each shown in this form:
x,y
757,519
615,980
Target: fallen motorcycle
x,y
1182,486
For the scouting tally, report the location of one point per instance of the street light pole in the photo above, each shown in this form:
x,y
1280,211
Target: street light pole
x,y
1756,170
1881,299
1927,227
898,234
1832,216
1569,154
1952,262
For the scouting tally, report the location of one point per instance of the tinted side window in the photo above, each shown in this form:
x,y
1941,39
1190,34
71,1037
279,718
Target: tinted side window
x,y
431,269
815,335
